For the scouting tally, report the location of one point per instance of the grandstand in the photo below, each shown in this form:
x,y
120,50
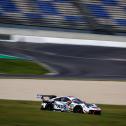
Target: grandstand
x,y
102,16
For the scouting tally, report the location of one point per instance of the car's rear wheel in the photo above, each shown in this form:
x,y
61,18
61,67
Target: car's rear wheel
x,y
42,108
49,106
78,109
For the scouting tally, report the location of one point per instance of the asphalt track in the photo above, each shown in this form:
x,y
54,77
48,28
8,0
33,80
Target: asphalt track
x,y
70,61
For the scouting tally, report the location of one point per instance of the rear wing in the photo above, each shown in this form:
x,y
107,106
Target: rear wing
x,y
45,96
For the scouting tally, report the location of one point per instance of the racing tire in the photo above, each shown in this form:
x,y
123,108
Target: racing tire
x,y
78,109
42,108
49,107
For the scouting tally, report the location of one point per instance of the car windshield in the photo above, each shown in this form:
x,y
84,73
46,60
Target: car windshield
x,y
88,105
78,101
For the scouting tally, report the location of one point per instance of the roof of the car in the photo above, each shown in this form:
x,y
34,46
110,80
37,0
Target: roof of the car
x,y
70,97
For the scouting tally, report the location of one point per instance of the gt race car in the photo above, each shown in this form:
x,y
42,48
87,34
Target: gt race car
x,y
67,104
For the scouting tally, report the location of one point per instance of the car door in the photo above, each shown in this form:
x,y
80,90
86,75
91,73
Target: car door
x,y
61,104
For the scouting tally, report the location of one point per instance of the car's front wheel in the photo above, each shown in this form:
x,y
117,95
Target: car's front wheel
x,y
78,109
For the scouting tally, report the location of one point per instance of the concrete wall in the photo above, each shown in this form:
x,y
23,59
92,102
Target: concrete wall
x,y
72,35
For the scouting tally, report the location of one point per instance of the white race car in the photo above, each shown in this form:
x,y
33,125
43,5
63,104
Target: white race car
x,y
68,104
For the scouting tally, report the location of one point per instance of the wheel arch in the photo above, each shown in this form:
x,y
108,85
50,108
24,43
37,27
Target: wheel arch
x,y
78,107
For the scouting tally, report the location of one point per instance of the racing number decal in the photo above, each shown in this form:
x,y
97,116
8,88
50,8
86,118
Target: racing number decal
x,y
61,106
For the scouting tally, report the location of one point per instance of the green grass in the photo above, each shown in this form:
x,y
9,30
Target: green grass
x,y
17,66
28,113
